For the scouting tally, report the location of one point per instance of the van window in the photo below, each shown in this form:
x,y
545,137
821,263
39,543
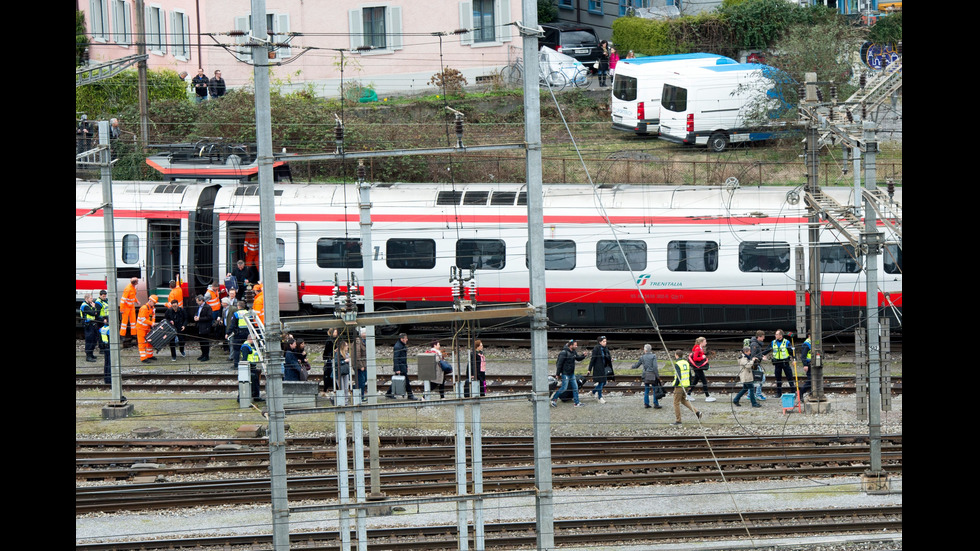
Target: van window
x,y
674,98
624,88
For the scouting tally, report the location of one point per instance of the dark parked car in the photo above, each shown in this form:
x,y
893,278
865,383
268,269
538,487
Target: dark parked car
x,y
578,41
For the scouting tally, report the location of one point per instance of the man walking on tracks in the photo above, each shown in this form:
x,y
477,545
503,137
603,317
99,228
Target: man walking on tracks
x,y
145,321
400,358
566,370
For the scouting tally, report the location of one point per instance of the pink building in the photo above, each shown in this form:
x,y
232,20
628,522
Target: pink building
x,y
404,52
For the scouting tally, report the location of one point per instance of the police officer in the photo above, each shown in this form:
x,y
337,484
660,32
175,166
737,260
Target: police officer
x,y
239,333
90,313
781,353
251,355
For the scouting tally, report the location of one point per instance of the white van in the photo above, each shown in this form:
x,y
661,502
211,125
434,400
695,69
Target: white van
x,y
715,106
638,83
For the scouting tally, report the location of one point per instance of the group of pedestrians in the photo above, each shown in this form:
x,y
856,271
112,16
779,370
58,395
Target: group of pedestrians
x,y
205,87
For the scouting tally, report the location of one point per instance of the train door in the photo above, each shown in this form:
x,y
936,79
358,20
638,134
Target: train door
x,y
162,256
235,250
287,262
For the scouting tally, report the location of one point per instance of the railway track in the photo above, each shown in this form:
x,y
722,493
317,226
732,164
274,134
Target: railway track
x,y
508,465
228,382
875,521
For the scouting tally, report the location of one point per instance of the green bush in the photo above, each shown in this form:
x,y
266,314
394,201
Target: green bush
x,y
107,98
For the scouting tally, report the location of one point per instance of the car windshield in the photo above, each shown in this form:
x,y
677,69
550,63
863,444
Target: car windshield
x,y
576,38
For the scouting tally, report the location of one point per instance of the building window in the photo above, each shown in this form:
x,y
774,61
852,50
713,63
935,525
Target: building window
x,y
692,256
763,256
410,254
99,20
559,254
338,253
180,23
481,254
374,28
483,24
156,30
122,22
275,23
609,257
566,4
595,6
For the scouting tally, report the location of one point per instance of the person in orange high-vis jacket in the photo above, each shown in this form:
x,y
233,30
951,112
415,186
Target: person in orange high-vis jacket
x,y
145,321
127,309
212,298
258,304
251,248
176,293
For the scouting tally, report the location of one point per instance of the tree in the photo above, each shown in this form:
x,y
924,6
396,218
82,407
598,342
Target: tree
x,y
81,39
547,11
826,48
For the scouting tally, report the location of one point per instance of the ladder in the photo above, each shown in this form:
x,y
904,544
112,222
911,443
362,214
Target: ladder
x,y
888,211
94,73
837,215
879,87
257,330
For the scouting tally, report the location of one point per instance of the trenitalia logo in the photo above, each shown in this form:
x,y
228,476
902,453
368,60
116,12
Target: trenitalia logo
x,y
645,281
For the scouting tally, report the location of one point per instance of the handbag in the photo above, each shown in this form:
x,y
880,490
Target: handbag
x,y
595,65
446,367
608,372
658,391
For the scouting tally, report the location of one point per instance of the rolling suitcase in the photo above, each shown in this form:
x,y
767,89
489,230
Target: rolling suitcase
x,y
399,385
161,335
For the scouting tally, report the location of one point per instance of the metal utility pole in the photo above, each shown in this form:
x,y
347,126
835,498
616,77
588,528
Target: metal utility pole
x,y
816,402
144,92
544,499
270,278
110,262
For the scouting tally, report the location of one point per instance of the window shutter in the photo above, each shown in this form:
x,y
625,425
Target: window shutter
x,y
356,29
282,34
242,24
395,26
466,22
503,21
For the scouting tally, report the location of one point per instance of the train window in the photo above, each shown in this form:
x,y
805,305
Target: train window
x,y
130,248
503,198
609,257
449,197
559,254
410,254
482,254
280,253
893,259
692,256
476,198
522,198
837,258
763,256
338,253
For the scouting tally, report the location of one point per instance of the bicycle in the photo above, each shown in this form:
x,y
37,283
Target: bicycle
x,y
513,75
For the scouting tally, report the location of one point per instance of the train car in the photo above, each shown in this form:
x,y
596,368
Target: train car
x,y
701,257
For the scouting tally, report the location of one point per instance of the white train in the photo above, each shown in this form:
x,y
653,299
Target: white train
x,y
702,257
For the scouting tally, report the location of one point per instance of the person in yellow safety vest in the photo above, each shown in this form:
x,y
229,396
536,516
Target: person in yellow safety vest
x,y
682,380
781,353
807,353
145,321
251,248
127,309
89,312
251,355
102,303
104,347
258,304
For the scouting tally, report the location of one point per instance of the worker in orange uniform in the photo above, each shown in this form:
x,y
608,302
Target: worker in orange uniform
x,y
127,310
258,305
176,293
212,298
251,248
145,321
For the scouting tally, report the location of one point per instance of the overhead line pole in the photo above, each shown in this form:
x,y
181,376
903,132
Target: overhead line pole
x,y
270,277
544,500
